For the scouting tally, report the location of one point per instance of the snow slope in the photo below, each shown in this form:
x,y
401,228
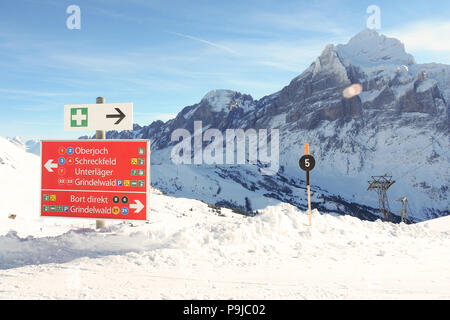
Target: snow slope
x,y
188,250
438,225
19,183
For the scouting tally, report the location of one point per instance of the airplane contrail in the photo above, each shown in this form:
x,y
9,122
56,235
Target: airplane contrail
x,y
203,41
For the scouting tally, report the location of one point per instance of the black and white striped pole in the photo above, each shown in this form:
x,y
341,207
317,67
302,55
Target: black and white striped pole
x,y
307,163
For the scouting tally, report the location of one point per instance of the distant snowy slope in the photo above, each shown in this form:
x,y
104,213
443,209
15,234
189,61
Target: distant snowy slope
x,y
31,146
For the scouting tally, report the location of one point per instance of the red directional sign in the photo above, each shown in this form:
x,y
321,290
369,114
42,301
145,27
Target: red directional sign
x,y
101,179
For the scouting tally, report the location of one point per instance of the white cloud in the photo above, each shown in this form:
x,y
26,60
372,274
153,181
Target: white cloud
x,y
37,93
291,56
424,36
33,108
311,20
95,63
149,117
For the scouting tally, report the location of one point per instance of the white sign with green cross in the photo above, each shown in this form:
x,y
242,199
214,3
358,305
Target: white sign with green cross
x,y
105,116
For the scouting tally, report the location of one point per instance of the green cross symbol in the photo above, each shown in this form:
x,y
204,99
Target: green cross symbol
x,y
79,117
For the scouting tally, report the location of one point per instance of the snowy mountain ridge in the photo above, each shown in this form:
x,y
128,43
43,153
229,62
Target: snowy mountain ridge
x,y
31,146
398,125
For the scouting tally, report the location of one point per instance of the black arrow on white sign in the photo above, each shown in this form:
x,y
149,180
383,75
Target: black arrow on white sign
x,y
120,115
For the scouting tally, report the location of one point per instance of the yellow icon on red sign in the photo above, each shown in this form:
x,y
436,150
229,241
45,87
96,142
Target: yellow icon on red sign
x,y
115,210
53,197
126,183
134,161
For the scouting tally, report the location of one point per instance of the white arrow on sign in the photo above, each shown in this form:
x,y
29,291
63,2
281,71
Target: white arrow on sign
x,y
49,165
138,206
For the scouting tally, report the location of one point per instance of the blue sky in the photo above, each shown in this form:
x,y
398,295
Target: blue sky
x,y
165,55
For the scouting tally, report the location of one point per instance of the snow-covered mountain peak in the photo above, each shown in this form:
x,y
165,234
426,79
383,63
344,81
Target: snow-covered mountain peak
x,y
369,48
329,62
221,100
31,146
18,141
13,157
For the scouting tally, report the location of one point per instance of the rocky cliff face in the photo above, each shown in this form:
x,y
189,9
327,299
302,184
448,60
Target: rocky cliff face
x,y
398,124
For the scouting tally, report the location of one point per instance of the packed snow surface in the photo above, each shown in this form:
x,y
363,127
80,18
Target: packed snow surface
x,y
187,250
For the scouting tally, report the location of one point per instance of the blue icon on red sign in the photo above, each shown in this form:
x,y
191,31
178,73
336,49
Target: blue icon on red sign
x,y
66,208
119,183
62,161
124,211
69,150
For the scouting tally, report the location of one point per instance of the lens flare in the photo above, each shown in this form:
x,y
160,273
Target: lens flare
x,y
352,91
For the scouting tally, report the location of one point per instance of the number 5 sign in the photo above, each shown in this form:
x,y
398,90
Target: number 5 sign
x,y
307,162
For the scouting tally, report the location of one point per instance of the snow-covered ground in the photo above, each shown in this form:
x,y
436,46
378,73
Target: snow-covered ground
x,y
186,250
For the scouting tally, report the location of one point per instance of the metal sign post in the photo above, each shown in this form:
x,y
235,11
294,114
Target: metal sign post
x,y
101,117
100,134
307,163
